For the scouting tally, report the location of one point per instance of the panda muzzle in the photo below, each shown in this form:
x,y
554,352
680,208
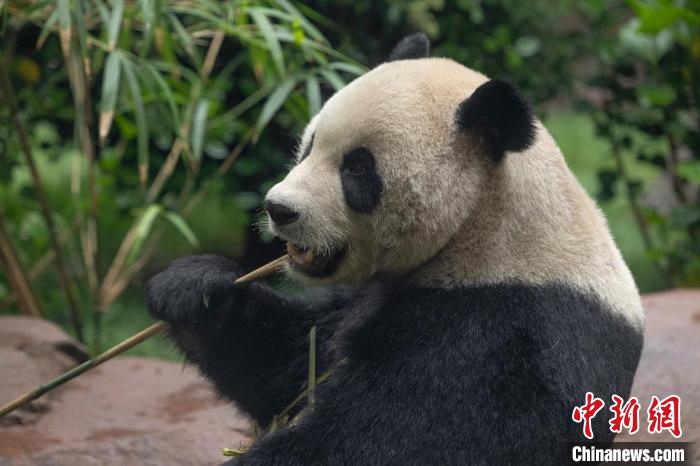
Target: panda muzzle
x,y
312,263
301,256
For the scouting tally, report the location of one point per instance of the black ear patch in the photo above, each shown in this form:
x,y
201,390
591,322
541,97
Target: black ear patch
x,y
498,114
414,46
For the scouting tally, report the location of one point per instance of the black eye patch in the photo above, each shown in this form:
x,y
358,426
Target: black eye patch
x,y
307,149
362,185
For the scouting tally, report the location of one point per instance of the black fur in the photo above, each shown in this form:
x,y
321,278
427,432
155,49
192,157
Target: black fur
x,y
414,46
307,149
480,375
362,185
248,340
500,116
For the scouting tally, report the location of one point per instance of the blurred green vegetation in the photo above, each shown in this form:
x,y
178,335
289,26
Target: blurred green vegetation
x,y
157,127
585,154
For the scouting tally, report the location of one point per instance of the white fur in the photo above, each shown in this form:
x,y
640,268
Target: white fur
x,y
448,216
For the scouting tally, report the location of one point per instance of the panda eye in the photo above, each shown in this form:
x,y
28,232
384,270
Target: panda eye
x,y
358,162
357,168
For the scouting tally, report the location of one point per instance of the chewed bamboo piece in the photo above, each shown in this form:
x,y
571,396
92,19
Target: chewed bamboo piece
x,y
143,335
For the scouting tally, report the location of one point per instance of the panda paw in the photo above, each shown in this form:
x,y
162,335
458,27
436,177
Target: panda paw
x,y
192,290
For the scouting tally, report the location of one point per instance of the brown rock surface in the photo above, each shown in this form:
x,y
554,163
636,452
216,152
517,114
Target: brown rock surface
x,y
670,363
143,411
128,411
33,351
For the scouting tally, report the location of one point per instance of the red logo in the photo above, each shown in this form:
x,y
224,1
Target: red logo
x,y
661,415
624,415
587,412
665,415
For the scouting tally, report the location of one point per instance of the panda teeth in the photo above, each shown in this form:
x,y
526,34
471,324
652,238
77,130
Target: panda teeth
x,y
301,255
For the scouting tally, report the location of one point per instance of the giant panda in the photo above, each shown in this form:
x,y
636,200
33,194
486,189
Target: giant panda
x,y
466,291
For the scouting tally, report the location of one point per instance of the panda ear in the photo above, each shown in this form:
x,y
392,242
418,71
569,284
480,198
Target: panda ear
x,y
498,114
414,46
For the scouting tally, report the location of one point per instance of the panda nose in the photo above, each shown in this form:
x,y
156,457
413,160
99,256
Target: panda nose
x,y
280,213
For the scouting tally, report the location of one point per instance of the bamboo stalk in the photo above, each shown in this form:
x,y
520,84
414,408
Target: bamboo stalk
x,y
84,367
44,261
114,283
77,65
63,275
312,368
116,277
129,343
305,393
180,144
16,274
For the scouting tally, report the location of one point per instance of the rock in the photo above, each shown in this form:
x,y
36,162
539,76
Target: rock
x,y
149,412
127,411
32,351
670,363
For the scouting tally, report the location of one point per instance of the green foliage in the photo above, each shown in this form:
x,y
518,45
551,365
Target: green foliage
x,y
585,154
180,115
534,44
651,74
136,113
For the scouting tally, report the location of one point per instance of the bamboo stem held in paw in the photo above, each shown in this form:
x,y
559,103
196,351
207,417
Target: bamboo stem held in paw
x,y
129,343
262,272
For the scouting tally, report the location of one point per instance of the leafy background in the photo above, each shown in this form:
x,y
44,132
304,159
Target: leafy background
x,y
133,132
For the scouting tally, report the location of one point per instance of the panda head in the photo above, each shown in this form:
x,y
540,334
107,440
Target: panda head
x,y
391,167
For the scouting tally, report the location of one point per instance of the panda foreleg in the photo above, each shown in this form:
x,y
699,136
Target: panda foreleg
x,y
249,341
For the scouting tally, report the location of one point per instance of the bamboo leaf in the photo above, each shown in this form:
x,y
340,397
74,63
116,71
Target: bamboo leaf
x,y
308,27
29,9
149,13
46,29
64,24
110,91
143,230
268,32
167,92
347,67
312,45
230,116
249,102
166,44
198,13
82,36
115,22
218,23
181,225
184,37
103,12
4,15
199,126
141,121
333,78
313,94
273,104
272,13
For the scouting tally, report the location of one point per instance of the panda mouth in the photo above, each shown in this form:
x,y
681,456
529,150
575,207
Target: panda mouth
x,y
312,263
